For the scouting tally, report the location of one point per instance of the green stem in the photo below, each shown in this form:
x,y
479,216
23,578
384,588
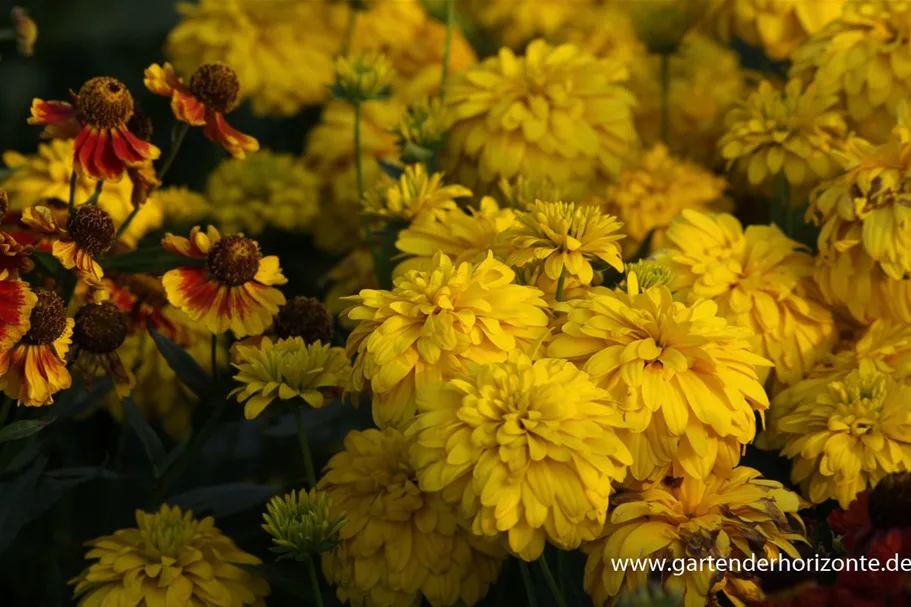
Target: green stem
x,y
359,176
560,282
5,410
447,47
665,97
305,448
529,584
314,581
551,582
72,192
93,199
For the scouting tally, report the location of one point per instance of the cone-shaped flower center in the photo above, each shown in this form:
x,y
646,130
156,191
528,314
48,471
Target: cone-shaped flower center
x,y
234,260
92,229
217,86
100,328
48,319
167,533
105,103
304,317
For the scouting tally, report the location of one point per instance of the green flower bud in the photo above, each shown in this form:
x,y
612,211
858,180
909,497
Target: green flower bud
x,y
302,524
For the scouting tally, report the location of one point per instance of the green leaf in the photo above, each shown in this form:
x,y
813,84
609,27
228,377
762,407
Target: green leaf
x,y
45,263
147,260
16,499
22,429
185,366
224,500
79,397
151,443
644,248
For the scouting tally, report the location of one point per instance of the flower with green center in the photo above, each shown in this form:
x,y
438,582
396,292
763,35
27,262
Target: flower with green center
x,y
302,524
359,78
415,193
647,274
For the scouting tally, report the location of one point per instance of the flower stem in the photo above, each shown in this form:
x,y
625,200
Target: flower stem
x,y
560,282
447,47
305,448
93,199
665,97
314,581
359,175
551,582
529,584
73,191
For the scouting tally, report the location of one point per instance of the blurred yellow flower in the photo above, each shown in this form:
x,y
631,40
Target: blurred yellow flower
x,y
554,112
515,22
847,434
776,26
760,279
685,378
605,31
400,544
654,190
352,274
416,194
360,78
726,516
423,123
265,190
171,554
662,24
523,192
46,174
566,236
794,132
864,57
182,206
435,321
528,449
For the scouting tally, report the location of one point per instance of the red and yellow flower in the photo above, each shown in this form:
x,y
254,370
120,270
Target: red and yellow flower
x,y
213,92
99,329
233,289
104,147
87,233
14,256
16,303
34,369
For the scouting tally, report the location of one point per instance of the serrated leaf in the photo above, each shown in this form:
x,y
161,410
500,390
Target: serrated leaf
x,y
151,442
224,500
16,499
184,366
148,260
22,429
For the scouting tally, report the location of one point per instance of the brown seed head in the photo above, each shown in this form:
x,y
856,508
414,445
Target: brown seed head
x,y
105,103
4,204
100,328
48,319
234,260
217,86
304,317
92,229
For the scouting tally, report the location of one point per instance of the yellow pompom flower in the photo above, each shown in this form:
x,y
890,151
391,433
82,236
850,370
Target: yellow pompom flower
x,y
703,70
794,132
760,279
416,193
282,51
726,516
381,25
554,112
46,174
848,434
330,155
523,192
864,56
515,22
776,26
170,557
266,189
400,544
651,192
529,450
288,369
686,379
435,321
462,234
182,206
606,31
563,235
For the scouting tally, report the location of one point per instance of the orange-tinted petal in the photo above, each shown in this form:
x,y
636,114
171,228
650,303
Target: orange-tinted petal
x,y
188,108
132,150
42,220
106,160
162,80
16,303
236,143
144,179
71,256
58,117
33,374
197,246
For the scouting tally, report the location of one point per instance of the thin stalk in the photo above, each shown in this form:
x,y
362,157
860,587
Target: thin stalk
x,y
529,584
359,175
551,582
314,581
73,191
305,448
447,46
665,97
560,282
93,199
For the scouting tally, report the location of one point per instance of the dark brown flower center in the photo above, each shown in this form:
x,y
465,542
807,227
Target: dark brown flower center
x,y
234,260
105,103
217,86
145,287
890,502
100,328
140,124
4,204
48,319
304,317
92,229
